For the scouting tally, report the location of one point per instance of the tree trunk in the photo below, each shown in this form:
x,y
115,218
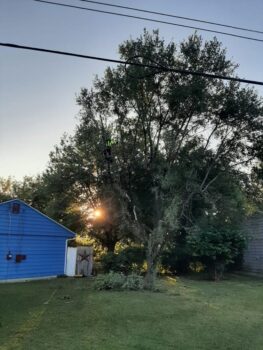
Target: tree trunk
x,y
216,271
111,246
110,240
150,277
149,281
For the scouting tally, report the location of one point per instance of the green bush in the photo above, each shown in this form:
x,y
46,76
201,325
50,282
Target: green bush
x,y
133,282
109,262
112,280
176,259
216,247
118,281
130,259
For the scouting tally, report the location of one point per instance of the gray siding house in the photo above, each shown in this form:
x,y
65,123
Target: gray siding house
x,y
253,256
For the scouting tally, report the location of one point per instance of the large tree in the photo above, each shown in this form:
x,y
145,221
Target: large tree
x,y
157,120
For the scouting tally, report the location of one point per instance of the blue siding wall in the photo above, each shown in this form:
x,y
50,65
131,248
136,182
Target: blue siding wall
x,y
34,235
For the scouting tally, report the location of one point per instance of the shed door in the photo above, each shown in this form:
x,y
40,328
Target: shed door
x,y
84,261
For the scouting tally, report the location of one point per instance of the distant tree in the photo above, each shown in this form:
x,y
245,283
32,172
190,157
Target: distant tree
x,y
32,190
6,189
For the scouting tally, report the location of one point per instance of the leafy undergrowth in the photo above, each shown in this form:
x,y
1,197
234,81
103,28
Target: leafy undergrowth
x,y
118,281
187,314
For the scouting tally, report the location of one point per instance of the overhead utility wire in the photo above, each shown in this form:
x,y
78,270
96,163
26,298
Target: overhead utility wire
x,y
164,69
147,19
173,16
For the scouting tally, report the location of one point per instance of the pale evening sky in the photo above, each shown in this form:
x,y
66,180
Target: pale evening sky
x,y
37,90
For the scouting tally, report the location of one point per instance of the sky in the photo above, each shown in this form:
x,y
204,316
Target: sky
x,y
38,91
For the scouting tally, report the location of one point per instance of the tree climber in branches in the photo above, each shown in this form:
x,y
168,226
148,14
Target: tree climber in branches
x,y
107,150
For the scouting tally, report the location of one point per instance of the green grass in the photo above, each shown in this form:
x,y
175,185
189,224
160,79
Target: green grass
x,y
189,314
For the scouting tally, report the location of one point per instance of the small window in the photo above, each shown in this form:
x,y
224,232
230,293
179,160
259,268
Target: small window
x,y
15,208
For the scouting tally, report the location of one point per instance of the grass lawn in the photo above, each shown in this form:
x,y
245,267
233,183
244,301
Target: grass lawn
x,y
189,314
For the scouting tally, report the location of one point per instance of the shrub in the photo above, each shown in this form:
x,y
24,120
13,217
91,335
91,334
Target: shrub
x,y
133,282
130,259
217,248
109,262
112,280
175,259
118,281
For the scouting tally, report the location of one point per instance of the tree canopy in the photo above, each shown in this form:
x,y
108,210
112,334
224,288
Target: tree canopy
x,y
159,151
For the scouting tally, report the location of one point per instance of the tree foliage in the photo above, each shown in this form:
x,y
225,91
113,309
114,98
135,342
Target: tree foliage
x,y
176,137
177,141
217,247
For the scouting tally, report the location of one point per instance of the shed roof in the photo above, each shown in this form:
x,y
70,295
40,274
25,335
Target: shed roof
x,y
39,212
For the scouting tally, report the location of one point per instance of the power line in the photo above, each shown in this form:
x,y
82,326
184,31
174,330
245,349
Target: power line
x,y
173,16
148,19
164,69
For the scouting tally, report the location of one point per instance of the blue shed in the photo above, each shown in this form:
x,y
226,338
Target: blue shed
x,y
31,244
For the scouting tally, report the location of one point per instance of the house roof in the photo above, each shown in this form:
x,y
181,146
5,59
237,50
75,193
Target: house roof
x,y
39,212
